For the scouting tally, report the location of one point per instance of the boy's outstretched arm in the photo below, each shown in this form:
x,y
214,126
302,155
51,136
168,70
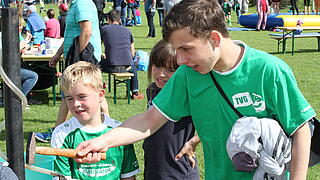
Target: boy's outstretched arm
x,y
300,153
132,130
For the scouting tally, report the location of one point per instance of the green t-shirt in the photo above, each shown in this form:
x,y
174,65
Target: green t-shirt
x,y
261,85
120,162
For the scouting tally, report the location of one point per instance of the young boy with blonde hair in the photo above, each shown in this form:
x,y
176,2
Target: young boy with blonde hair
x,y
82,84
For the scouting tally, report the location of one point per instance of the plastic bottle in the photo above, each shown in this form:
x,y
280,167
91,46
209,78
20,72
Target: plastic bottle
x,y
43,47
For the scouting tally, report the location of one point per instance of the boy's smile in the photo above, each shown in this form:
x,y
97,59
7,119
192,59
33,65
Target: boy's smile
x,y
84,104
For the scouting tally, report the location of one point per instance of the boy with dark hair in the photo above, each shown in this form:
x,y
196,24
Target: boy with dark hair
x,y
119,51
257,84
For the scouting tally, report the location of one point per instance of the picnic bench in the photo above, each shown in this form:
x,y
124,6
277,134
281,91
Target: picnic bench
x,y
283,39
289,33
119,78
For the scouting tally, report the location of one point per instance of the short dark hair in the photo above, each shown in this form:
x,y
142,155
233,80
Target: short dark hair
x,y
114,15
198,16
50,13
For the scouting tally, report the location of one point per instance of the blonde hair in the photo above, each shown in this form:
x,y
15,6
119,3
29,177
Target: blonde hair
x,y
81,72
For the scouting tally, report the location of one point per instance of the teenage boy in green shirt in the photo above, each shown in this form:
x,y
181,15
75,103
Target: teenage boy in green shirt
x,y
257,84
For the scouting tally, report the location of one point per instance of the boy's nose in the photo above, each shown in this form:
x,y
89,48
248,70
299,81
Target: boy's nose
x,y
77,103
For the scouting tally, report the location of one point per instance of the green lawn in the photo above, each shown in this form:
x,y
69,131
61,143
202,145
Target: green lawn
x,y
305,65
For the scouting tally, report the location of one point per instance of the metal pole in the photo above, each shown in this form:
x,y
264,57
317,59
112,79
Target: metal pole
x,y
13,109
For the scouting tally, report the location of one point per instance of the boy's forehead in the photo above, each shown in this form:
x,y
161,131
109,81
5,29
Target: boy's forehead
x,y
80,86
181,37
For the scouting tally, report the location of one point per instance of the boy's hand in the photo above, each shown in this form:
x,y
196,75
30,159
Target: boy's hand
x,y
89,150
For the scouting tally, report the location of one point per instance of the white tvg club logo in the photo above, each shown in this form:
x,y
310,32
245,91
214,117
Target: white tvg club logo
x,y
244,99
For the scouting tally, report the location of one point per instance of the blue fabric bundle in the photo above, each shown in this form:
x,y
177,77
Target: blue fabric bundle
x,y
36,22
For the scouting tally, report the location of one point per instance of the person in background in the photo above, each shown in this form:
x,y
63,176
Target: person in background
x,y
52,25
121,6
317,6
257,84
82,27
28,78
159,6
276,6
307,8
294,6
138,16
131,9
227,6
100,4
119,51
82,84
237,9
63,10
35,26
161,148
244,6
263,11
41,6
150,9
28,81
7,3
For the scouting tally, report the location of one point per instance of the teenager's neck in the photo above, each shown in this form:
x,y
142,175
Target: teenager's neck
x,y
231,54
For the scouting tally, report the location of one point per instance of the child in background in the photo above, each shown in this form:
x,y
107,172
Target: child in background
x,y
161,148
82,84
227,6
52,25
41,6
263,11
317,6
138,16
237,9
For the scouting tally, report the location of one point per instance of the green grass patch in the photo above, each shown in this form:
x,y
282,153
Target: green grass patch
x,y
305,65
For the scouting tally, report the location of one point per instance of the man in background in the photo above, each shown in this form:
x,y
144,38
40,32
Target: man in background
x,y
63,10
119,51
100,4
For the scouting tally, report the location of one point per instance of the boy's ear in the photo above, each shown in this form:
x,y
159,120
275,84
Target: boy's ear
x,y
101,94
215,37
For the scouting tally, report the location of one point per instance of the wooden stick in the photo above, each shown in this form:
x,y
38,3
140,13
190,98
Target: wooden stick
x,y
62,152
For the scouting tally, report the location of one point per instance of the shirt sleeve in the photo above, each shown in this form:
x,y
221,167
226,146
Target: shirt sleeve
x,y
61,164
130,166
173,99
290,106
84,12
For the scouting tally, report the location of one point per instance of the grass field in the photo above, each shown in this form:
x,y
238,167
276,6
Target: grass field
x,y
305,65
